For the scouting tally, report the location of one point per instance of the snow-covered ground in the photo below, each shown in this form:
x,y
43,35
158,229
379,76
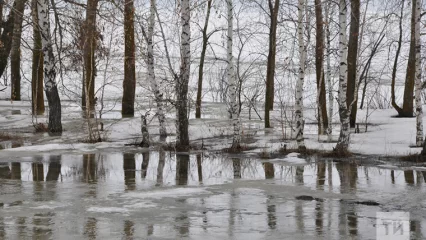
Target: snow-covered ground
x,y
386,134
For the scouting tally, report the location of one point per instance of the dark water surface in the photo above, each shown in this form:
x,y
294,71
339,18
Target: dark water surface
x,y
164,196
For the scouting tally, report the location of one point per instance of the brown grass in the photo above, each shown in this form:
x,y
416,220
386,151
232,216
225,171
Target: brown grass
x,y
304,152
337,154
8,137
415,158
41,127
17,141
238,149
172,147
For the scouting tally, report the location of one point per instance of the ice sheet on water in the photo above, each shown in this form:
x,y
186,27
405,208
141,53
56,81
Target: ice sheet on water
x,y
292,159
167,193
61,146
139,205
51,205
107,210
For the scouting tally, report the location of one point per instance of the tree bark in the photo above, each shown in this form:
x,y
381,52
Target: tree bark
x,y
54,169
129,82
329,83
232,79
55,124
6,39
319,63
352,94
151,72
395,64
202,58
407,106
300,122
88,98
37,95
270,70
15,56
343,142
182,123
418,96
145,134
1,16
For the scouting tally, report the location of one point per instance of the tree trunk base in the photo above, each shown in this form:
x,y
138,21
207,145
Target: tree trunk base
x,y
302,149
405,114
341,151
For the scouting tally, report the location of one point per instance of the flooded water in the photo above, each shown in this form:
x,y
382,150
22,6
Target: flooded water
x,y
159,195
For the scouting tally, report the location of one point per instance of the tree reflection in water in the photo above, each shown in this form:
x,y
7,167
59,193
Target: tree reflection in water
x,y
89,168
200,168
348,174
160,167
145,164
16,171
4,171
129,168
54,169
236,164
236,208
319,205
129,229
182,168
90,228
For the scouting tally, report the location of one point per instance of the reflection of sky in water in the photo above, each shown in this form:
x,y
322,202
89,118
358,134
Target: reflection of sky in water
x,y
122,195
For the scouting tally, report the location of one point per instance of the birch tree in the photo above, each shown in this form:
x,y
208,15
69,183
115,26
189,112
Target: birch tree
x,y
6,38
232,79
182,81
343,142
328,73
299,84
55,124
419,110
151,69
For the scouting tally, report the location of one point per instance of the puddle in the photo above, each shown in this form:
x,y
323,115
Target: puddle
x,y
159,195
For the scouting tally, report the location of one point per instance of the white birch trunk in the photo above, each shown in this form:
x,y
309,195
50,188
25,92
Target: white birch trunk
x,y
320,117
51,90
328,73
144,131
46,40
343,142
299,84
151,71
419,110
232,79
